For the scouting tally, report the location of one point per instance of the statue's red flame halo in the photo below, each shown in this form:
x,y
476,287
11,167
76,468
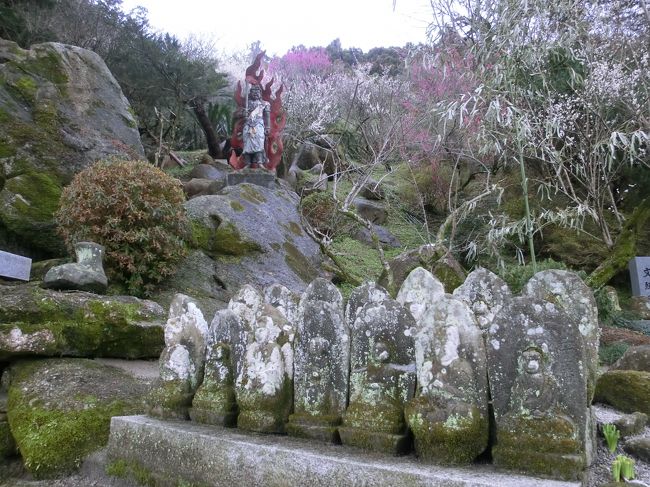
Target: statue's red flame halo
x,y
273,145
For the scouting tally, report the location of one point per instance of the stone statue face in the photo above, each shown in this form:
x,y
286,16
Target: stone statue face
x,y
381,352
318,346
532,361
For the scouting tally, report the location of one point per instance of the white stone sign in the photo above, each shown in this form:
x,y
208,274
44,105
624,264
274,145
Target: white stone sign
x,y
640,276
15,266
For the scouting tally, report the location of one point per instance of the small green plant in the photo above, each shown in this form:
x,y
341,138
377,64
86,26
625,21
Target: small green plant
x,y
611,435
136,211
623,468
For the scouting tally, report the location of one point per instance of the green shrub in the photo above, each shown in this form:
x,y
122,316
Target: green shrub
x,y
518,275
135,211
320,210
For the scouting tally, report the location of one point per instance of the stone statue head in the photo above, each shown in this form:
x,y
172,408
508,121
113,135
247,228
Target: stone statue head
x,y
532,360
381,352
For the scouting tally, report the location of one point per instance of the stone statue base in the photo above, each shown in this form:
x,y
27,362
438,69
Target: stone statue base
x,y
318,428
540,446
259,177
375,441
262,421
217,418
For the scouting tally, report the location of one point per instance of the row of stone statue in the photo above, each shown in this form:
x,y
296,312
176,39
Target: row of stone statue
x,y
383,374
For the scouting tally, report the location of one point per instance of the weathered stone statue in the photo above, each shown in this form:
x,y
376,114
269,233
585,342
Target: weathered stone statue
x,y
449,415
182,360
264,384
285,301
382,378
368,292
321,364
538,381
215,401
485,292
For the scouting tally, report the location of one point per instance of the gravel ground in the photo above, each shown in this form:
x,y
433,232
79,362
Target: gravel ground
x,y
600,471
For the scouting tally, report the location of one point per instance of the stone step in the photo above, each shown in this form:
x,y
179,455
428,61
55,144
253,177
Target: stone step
x,y
170,452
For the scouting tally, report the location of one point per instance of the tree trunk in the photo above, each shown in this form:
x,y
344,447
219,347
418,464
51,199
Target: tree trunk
x,y
198,106
624,248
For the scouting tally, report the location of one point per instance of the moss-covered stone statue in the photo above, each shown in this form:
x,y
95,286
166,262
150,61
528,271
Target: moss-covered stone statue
x,y
321,364
539,384
182,360
449,415
264,384
214,401
382,378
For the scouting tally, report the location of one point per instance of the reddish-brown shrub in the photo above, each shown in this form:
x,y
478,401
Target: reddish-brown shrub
x,y
133,209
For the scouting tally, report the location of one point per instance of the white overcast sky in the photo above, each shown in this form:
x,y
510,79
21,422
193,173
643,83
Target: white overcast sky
x,y
281,24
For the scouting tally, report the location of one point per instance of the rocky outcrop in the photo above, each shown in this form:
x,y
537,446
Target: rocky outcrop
x,y
246,234
46,323
634,358
626,390
60,110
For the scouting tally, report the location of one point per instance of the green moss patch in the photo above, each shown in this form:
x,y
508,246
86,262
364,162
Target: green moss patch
x,y
225,240
236,206
38,197
59,410
458,440
252,195
99,327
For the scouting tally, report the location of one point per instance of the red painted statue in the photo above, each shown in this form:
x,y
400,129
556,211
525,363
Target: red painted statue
x,y
257,132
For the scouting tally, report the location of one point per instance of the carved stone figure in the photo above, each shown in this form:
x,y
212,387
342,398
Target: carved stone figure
x,y
382,378
539,389
419,290
568,291
215,401
368,292
230,334
182,360
284,300
321,364
264,384
449,415
485,292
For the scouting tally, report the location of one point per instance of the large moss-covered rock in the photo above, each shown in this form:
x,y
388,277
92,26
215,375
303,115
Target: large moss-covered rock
x,y
60,409
247,234
41,322
627,390
60,110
